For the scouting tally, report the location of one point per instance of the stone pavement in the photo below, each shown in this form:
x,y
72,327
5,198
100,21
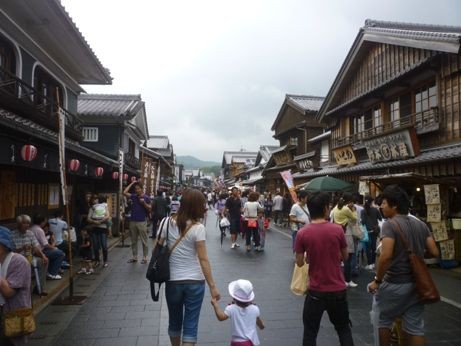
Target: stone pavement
x,y
119,310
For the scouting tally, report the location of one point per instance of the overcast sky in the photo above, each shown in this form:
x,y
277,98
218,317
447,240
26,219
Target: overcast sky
x,y
214,73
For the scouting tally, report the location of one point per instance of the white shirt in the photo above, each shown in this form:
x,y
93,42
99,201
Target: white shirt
x,y
301,214
184,263
278,203
243,322
57,226
250,209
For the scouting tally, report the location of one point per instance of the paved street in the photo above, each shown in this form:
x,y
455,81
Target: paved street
x,y
119,310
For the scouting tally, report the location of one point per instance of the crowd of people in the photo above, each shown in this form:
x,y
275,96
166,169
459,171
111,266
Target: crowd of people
x,y
331,248
40,248
322,229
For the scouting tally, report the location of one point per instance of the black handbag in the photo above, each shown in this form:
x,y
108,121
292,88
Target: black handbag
x,y
158,270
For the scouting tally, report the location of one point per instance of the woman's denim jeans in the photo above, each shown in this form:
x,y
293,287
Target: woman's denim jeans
x,y
184,303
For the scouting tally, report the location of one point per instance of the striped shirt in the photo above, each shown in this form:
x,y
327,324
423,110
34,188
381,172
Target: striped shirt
x,y
22,239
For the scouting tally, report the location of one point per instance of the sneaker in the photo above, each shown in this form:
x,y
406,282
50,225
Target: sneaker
x,y
54,277
65,265
369,267
90,271
248,248
237,245
351,284
233,246
82,271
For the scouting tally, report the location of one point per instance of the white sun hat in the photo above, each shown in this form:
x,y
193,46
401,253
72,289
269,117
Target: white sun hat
x,y
241,290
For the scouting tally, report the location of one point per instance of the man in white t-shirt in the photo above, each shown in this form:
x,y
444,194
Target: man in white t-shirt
x,y
277,207
299,215
57,227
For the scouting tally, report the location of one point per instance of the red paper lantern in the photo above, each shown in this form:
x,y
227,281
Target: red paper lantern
x,y
28,152
125,176
74,165
99,171
115,175
133,178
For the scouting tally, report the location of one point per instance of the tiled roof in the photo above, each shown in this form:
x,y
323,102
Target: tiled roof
x,y
227,156
303,103
109,105
158,142
430,155
307,103
244,159
436,38
414,31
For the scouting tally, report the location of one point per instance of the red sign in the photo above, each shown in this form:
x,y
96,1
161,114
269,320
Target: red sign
x,y
28,152
99,171
74,165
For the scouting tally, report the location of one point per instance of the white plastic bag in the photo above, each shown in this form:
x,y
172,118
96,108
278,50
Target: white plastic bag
x,y
224,222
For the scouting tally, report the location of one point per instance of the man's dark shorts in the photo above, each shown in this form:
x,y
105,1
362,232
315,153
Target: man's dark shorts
x,y
234,225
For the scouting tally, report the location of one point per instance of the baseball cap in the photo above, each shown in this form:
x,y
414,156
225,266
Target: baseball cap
x,y
241,290
5,238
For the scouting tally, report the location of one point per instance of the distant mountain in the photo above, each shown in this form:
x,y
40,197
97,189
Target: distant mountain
x,y
190,162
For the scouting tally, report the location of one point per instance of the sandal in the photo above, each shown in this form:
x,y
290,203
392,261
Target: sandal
x,y
132,260
144,261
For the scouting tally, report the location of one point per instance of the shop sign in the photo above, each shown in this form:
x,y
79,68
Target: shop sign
x,y
397,146
364,188
305,164
282,158
344,155
447,249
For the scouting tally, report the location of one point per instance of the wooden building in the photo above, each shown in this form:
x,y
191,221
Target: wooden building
x,y
40,70
234,163
294,125
394,114
162,146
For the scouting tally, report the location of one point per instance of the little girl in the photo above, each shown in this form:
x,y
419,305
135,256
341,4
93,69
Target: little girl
x,y
85,253
243,313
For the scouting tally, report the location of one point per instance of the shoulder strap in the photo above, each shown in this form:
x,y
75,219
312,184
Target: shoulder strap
x,y
305,212
162,223
402,236
181,237
6,263
3,271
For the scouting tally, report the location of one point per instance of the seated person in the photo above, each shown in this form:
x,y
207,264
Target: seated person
x,y
55,256
57,227
25,243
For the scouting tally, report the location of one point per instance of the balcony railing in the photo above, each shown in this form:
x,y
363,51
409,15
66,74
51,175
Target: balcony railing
x,y
22,97
132,161
423,122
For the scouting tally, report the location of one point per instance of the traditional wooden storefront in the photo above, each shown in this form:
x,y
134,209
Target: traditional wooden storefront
x,y
281,160
394,113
